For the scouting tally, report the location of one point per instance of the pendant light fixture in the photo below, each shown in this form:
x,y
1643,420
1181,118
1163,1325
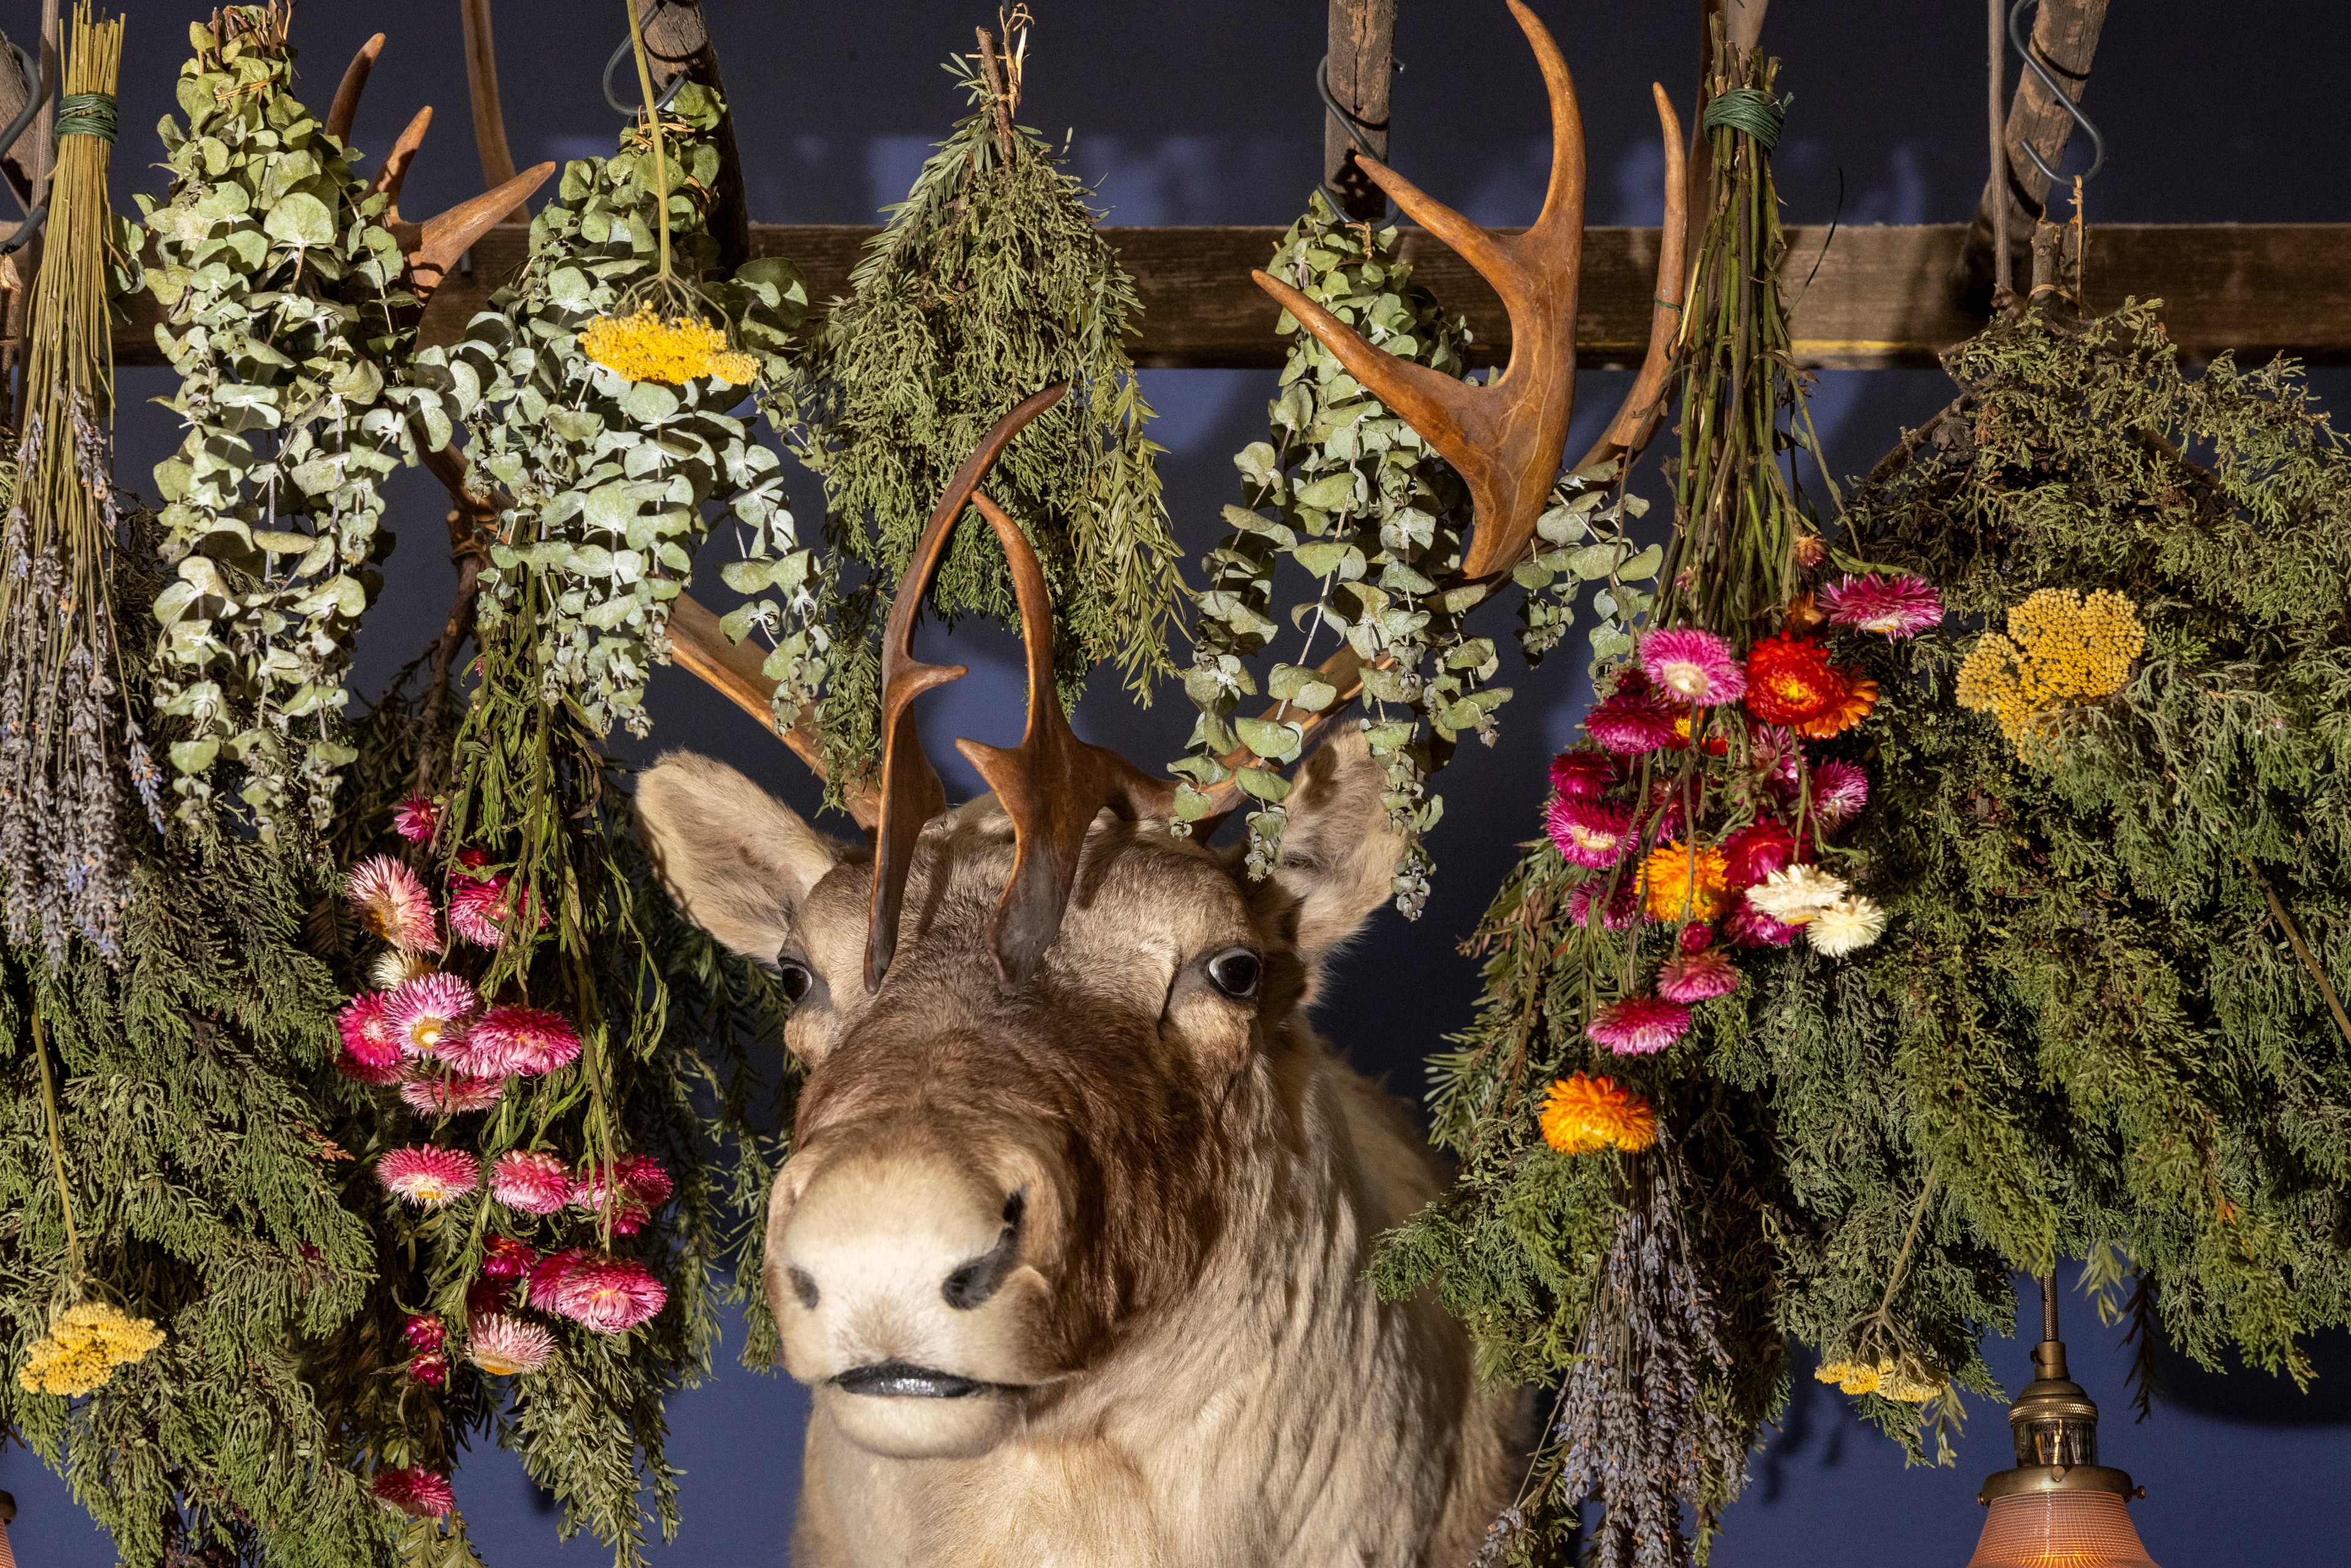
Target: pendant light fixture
x,y
2058,1506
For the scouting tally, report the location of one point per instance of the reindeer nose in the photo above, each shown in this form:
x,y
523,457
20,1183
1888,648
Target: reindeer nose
x,y
879,1236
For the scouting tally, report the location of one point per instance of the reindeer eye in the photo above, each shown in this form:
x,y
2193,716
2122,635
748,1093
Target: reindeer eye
x,y
795,976
1235,972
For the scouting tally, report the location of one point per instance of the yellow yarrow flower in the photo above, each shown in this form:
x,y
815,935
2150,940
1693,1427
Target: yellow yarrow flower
x,y
645,347
2061,649
84,1346
1887,1380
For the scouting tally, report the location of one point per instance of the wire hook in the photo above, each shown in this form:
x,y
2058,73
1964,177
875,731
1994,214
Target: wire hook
x,y
676,82
1347,123
40,86
2033,62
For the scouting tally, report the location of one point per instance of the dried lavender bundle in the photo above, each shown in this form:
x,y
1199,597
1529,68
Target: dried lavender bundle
x,y
67,743
1641,1436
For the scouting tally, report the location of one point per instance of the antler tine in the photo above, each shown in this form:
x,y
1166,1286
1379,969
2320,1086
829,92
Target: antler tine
x,y
1051,785
394,171
1637,416
482,92
440,241
1506,437
345,107
910,792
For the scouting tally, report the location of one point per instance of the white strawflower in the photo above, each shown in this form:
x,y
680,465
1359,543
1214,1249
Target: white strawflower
x,y
1846,927
1794,894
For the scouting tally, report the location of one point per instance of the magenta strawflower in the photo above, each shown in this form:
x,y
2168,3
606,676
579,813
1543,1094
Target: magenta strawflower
x,y
1840,789
1633,720
422,1332
1583,775
453,1095
528,1040
1748,927
430,1369
643,1187
503,1257
1900,606
393,904
430,1011
1694,665
611,1295
530,1182
416,818
1756,851
505,1347
1589,832
1638,1026
417,1492
429,1177
478,908
1622,909
370,1052
1697,977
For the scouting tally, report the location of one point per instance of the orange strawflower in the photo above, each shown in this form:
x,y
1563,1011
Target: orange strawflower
x,y
1583,1114
1860,698
1686,882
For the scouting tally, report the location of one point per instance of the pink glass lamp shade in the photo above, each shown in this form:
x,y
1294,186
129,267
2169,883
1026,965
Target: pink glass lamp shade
x,y
2058,1508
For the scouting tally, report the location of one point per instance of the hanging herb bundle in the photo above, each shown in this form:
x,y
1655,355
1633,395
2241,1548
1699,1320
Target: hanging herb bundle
x,y
1376,518
989,284
598,390
285,316
69,738
1702,831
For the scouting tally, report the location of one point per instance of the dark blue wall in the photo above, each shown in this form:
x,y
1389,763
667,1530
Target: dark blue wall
x,y
1204,112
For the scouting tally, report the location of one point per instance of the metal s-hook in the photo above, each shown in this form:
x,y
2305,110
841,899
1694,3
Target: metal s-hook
x,y
41,87
1354,127
621,54
2033,63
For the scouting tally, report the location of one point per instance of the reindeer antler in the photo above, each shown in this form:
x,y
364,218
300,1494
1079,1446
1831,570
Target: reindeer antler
x,y
1505,437
1052,785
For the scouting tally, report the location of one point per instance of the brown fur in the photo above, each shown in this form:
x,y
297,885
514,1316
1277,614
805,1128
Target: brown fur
x,y
1190,1366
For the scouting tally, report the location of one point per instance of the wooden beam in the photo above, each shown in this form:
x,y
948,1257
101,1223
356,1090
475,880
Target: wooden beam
x,y
1878,298
1360,69
2065,36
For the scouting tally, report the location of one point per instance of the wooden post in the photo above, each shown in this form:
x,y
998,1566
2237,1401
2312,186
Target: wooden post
x,y
1742,27
36,155
2066,37
1361,68
677,43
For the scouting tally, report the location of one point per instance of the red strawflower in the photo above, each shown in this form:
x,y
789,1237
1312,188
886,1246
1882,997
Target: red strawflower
x,y
503,1257
1790,680
1622,911
643,1187
610,1295
1856,702
1756,851
422,1332
1582,775
430,1369
414,1491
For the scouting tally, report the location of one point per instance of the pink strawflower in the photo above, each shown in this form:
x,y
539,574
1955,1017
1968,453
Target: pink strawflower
x,y
478,908
370,1054
430,1369
1696,937
391,904
530,1182
428,1175
416,818
1900,606
1697,977
418,1493
1638,1026
507,1347
1840,789
422,1332
1589,832
1779,757
1694,665
611,1295
503,1258
434,1095
1748,927
430,1011
1624,908
1583,775
1632,720
1663,813
1756,851
520,1039
643,1185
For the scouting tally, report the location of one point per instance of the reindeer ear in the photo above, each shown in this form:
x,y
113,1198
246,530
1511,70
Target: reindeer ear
x,y
1339,850
739,862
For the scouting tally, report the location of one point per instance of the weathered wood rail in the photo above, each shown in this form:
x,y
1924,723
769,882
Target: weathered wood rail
x,y
1881,296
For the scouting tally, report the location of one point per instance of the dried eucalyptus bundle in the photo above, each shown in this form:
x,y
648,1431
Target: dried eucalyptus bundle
x,y
611,429
69,741
283,313
989,284
1376,519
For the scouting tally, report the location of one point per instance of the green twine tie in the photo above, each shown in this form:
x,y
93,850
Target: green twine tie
x,y
86,114
1749,109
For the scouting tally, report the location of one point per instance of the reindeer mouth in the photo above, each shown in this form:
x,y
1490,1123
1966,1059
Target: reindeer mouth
x,y
904,1380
